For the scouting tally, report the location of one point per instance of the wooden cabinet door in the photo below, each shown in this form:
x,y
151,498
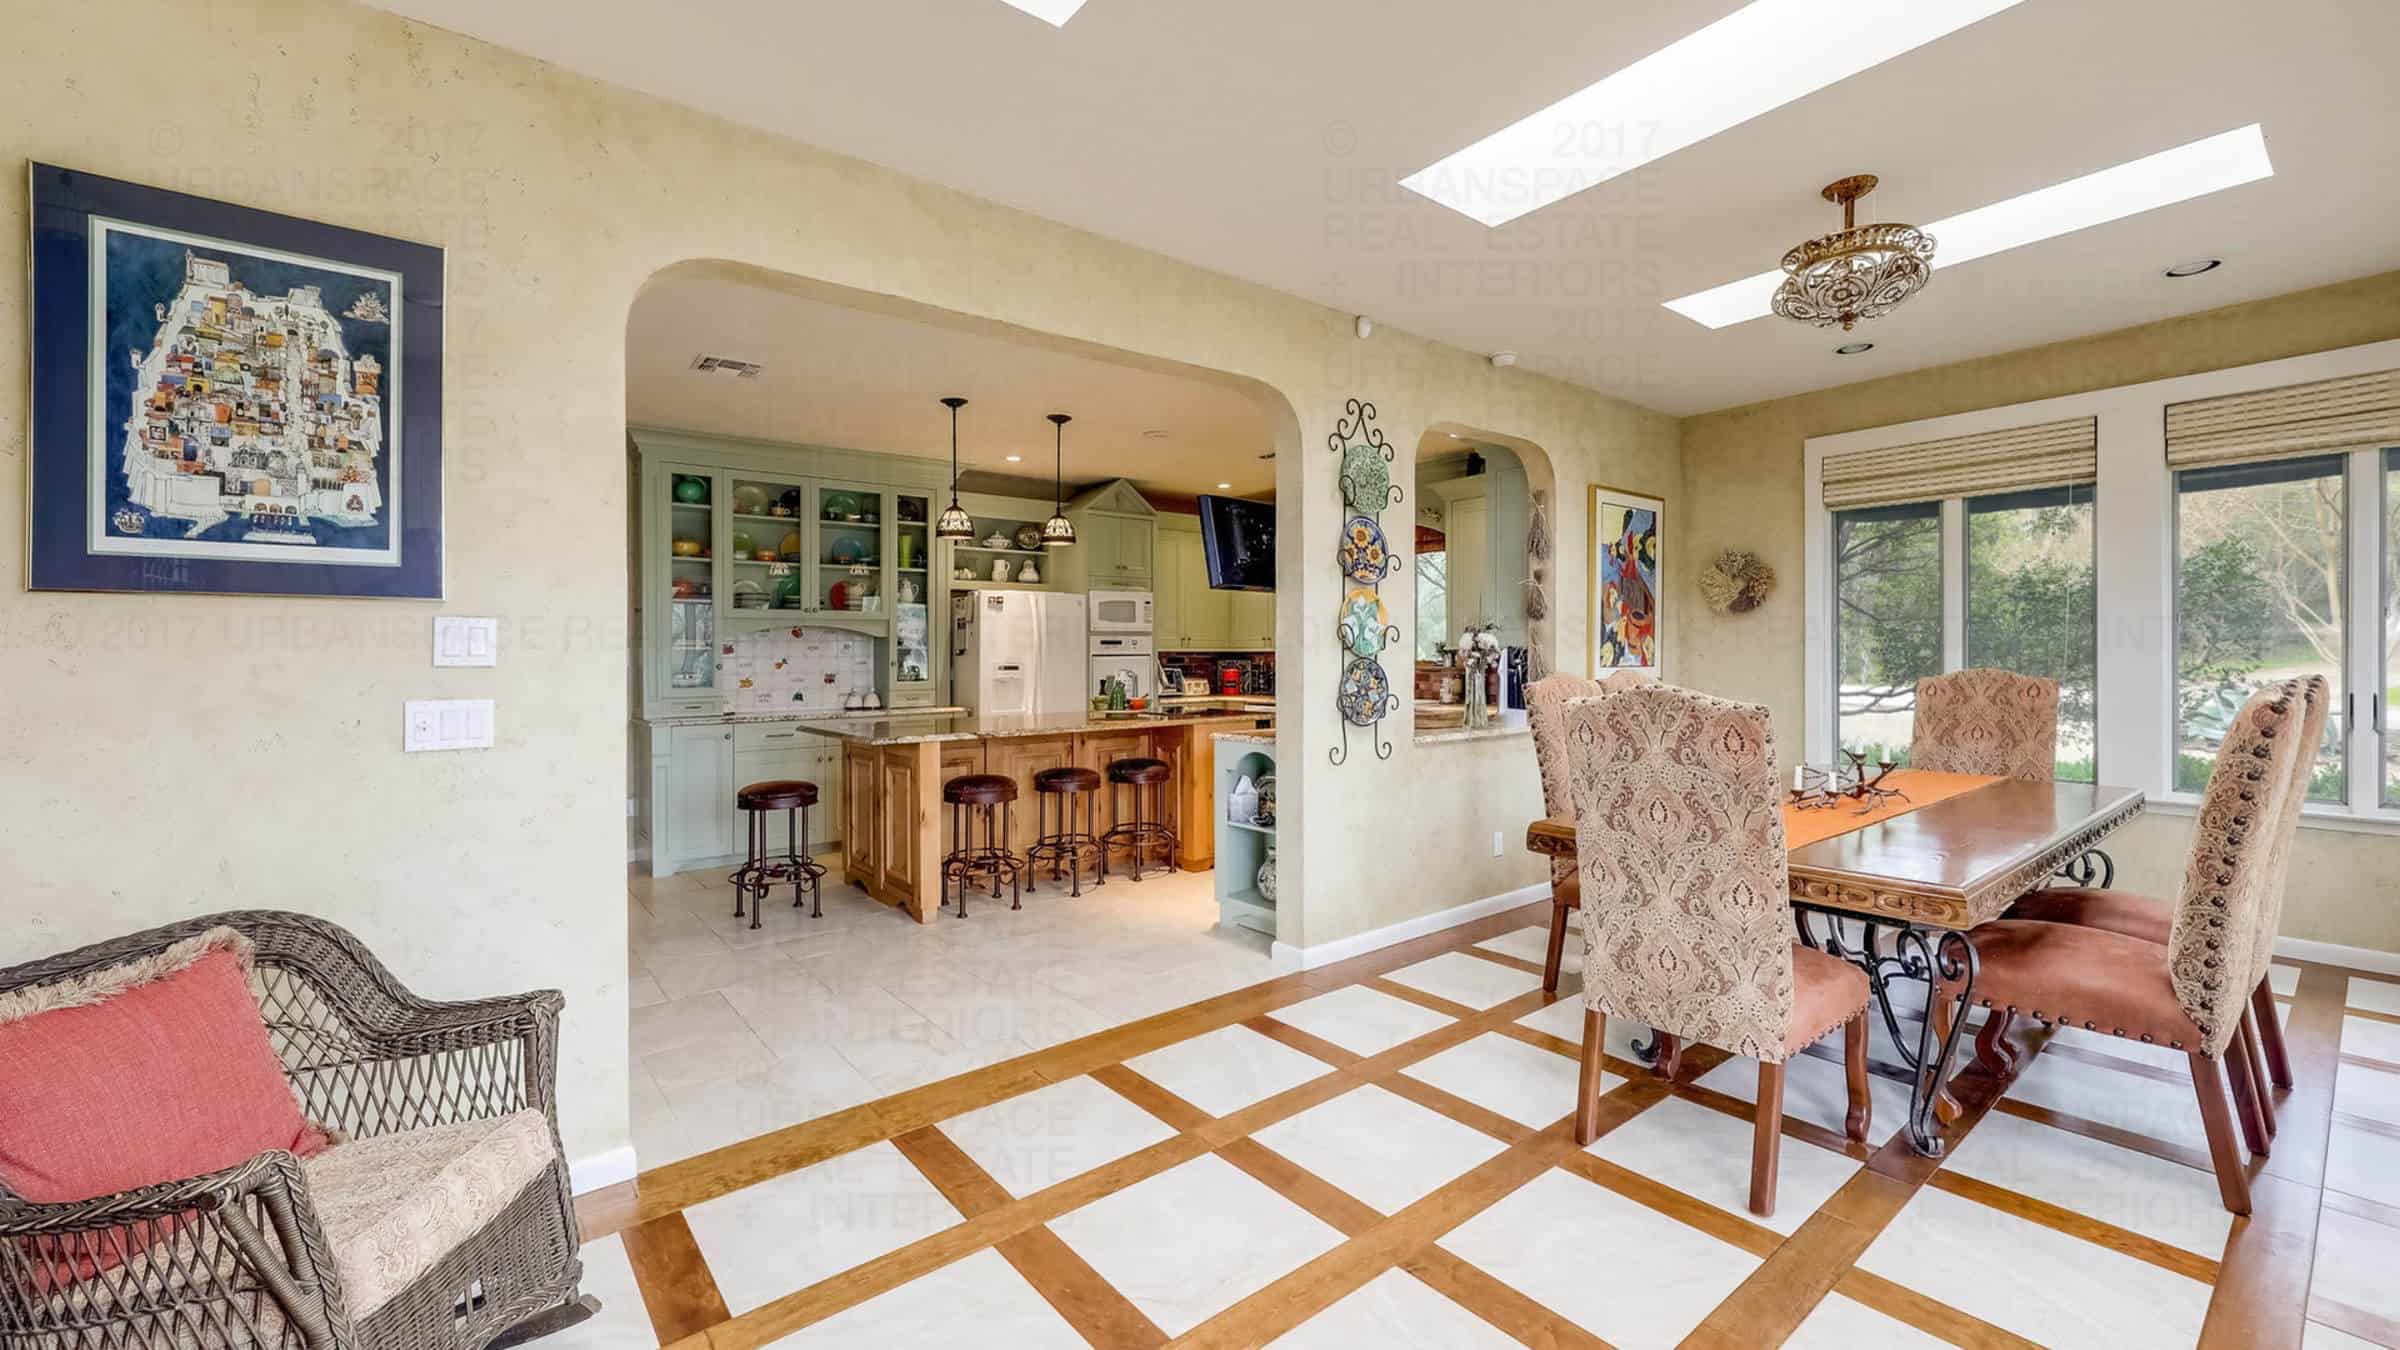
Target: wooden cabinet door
x,y
825,823
1253,620
1211,611
860,829
1021,759
1095,751
698,813
896,771
1135,541
1169,620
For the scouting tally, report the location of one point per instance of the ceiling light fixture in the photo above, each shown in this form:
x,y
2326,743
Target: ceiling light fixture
x,y
1155,434
1058,531
1224,487
1504,359
2195,267
1857,272
2211,164
954,522
1052,12
1752,61
1016,459
1853,348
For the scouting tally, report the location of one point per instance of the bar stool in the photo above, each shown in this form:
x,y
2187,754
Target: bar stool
x,y
1148,779
1067,844
985,797
764,870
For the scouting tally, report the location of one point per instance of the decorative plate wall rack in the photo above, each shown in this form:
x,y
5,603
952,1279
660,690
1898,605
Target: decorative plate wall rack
x,y
1363,630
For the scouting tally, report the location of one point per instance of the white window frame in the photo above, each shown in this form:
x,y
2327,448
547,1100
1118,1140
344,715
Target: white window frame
x,y
2134,561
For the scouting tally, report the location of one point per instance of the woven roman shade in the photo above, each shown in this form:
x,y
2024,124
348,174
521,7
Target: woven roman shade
x,y
2298,419
2048,454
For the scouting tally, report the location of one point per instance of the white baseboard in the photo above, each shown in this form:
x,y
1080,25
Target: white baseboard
x,y
2335,954
602,1170
1288,957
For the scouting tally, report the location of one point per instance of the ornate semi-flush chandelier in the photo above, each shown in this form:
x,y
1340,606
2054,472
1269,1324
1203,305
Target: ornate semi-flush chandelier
x,y
1857,272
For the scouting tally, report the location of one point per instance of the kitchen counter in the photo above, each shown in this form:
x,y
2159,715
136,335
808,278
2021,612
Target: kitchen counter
x,y
916,729
818,715
896,828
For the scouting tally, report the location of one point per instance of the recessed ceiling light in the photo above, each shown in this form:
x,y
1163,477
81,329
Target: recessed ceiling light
x,y
1504,359
1224,487
1853,348
1052,12
2195,267
1752,61
1155,434
2229,159
1016,459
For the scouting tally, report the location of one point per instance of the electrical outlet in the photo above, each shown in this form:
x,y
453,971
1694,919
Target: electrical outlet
x,y
1499,842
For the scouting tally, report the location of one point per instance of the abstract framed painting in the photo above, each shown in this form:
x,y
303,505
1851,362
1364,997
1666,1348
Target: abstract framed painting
x,y
1624,614
229,401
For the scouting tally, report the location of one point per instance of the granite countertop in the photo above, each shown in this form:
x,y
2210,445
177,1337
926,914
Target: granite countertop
x,y
913,728
1265,738
819,715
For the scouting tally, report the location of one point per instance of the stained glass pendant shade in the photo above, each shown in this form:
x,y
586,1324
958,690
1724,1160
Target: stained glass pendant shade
x,y
1058,531
954,522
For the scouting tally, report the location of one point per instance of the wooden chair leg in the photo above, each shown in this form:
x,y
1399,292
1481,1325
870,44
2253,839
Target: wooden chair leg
x,y
1587,1091
2270,1035
1558,945
2249,1039
1854,1066
2245,1095
1992,1047
1766,1139
1669,1063
1943,1010
2233,1185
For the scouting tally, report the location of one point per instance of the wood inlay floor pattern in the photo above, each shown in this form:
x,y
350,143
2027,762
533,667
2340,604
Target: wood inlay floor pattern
x,y
2260,1285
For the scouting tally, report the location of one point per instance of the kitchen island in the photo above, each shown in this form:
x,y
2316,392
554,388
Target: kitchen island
x,y
893,821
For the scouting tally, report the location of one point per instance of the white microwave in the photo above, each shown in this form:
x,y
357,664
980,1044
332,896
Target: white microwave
x,y
1120,611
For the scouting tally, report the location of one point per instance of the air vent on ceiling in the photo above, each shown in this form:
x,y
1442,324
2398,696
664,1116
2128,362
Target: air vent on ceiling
x,y
726,365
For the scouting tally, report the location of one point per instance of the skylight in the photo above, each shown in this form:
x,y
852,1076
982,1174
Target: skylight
x,y
1752,61
2170,176
1052,12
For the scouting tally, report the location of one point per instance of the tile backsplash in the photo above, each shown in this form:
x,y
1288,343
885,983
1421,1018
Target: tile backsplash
x,y
795,669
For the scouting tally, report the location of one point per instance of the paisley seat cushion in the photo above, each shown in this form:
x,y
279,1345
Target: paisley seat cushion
x,y
394,1204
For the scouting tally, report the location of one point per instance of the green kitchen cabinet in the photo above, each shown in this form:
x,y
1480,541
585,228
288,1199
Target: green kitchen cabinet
x,y
1253,621
692,808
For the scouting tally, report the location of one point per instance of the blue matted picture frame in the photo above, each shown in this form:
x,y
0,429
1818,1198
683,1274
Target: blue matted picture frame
x,y
229,401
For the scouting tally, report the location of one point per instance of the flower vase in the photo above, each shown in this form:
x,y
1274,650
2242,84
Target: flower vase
x,y
1479,713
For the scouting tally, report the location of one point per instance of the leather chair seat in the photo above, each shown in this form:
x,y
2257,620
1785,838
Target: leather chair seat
x,y
777,794
1826,992
2086,977
2135,916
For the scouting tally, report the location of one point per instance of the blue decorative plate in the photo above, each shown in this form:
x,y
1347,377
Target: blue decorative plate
x,y
1363,557
1364,692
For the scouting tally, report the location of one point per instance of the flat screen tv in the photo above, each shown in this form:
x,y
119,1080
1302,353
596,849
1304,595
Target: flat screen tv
x,y
1239,538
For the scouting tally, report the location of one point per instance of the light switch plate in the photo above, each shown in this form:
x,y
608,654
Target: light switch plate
x,y
459,641
447,724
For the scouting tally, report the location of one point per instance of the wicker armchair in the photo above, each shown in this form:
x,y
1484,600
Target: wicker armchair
x,y
242,1258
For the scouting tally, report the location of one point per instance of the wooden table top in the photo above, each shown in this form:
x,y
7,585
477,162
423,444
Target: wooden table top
x,y
1954,863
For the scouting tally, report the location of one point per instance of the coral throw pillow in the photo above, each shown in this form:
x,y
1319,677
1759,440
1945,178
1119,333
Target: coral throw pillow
x,y
152,1071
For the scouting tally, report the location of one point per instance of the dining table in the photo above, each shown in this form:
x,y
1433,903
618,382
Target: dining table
x,y
1897,880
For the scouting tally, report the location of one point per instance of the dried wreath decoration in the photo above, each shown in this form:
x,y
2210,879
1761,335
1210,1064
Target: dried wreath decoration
x,y
1737,582
1537,532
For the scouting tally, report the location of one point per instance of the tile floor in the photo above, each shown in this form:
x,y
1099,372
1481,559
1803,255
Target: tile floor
x,y
1378,1154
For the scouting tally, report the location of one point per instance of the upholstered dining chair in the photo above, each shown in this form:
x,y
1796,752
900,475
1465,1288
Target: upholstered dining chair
x,y
2192,992
1546,709
1987,721
2151,919
1686,909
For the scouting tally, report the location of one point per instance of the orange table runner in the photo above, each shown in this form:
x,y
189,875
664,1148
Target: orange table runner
x,y
1923,786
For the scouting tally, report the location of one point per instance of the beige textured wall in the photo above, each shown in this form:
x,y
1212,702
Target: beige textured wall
x,y
1743,489
556,197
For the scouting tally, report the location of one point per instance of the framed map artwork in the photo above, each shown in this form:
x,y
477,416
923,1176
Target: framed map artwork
x,y
229,401
1626,590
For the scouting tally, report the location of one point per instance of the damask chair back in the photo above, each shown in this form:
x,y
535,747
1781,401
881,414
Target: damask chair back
x,y
2316,701
1987,721
1679,835
2212,945
1546,711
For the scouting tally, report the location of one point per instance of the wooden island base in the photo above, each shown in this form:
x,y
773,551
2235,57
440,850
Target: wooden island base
x,y
895,828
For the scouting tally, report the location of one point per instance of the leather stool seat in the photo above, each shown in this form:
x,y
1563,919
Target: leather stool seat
x,y
979,789
1066,779
1137,770
776,794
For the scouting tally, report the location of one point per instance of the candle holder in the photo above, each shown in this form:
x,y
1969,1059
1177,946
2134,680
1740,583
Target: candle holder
x,y
1816,789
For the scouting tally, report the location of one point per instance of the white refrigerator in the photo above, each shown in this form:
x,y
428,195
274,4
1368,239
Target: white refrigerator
x,y
1018,652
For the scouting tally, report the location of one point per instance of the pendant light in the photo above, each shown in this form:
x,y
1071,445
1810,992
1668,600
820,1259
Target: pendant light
x,y
1058,531
954,523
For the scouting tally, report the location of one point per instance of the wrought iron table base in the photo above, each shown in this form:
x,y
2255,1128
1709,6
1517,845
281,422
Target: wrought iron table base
x,y
2093,868
1916,955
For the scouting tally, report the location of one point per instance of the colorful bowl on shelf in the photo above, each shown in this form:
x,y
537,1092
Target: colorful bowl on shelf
x,y
838,506
763,555
791,545
1029,537
750,499
743,542
686,548
690,489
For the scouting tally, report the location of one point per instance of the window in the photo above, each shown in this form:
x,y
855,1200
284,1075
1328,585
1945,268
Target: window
x,y
1433,608
2391,628
1887,622
2033,604
2261,588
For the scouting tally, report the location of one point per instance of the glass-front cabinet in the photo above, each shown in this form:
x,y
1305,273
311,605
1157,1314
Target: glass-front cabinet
x,y
682,567
912,678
